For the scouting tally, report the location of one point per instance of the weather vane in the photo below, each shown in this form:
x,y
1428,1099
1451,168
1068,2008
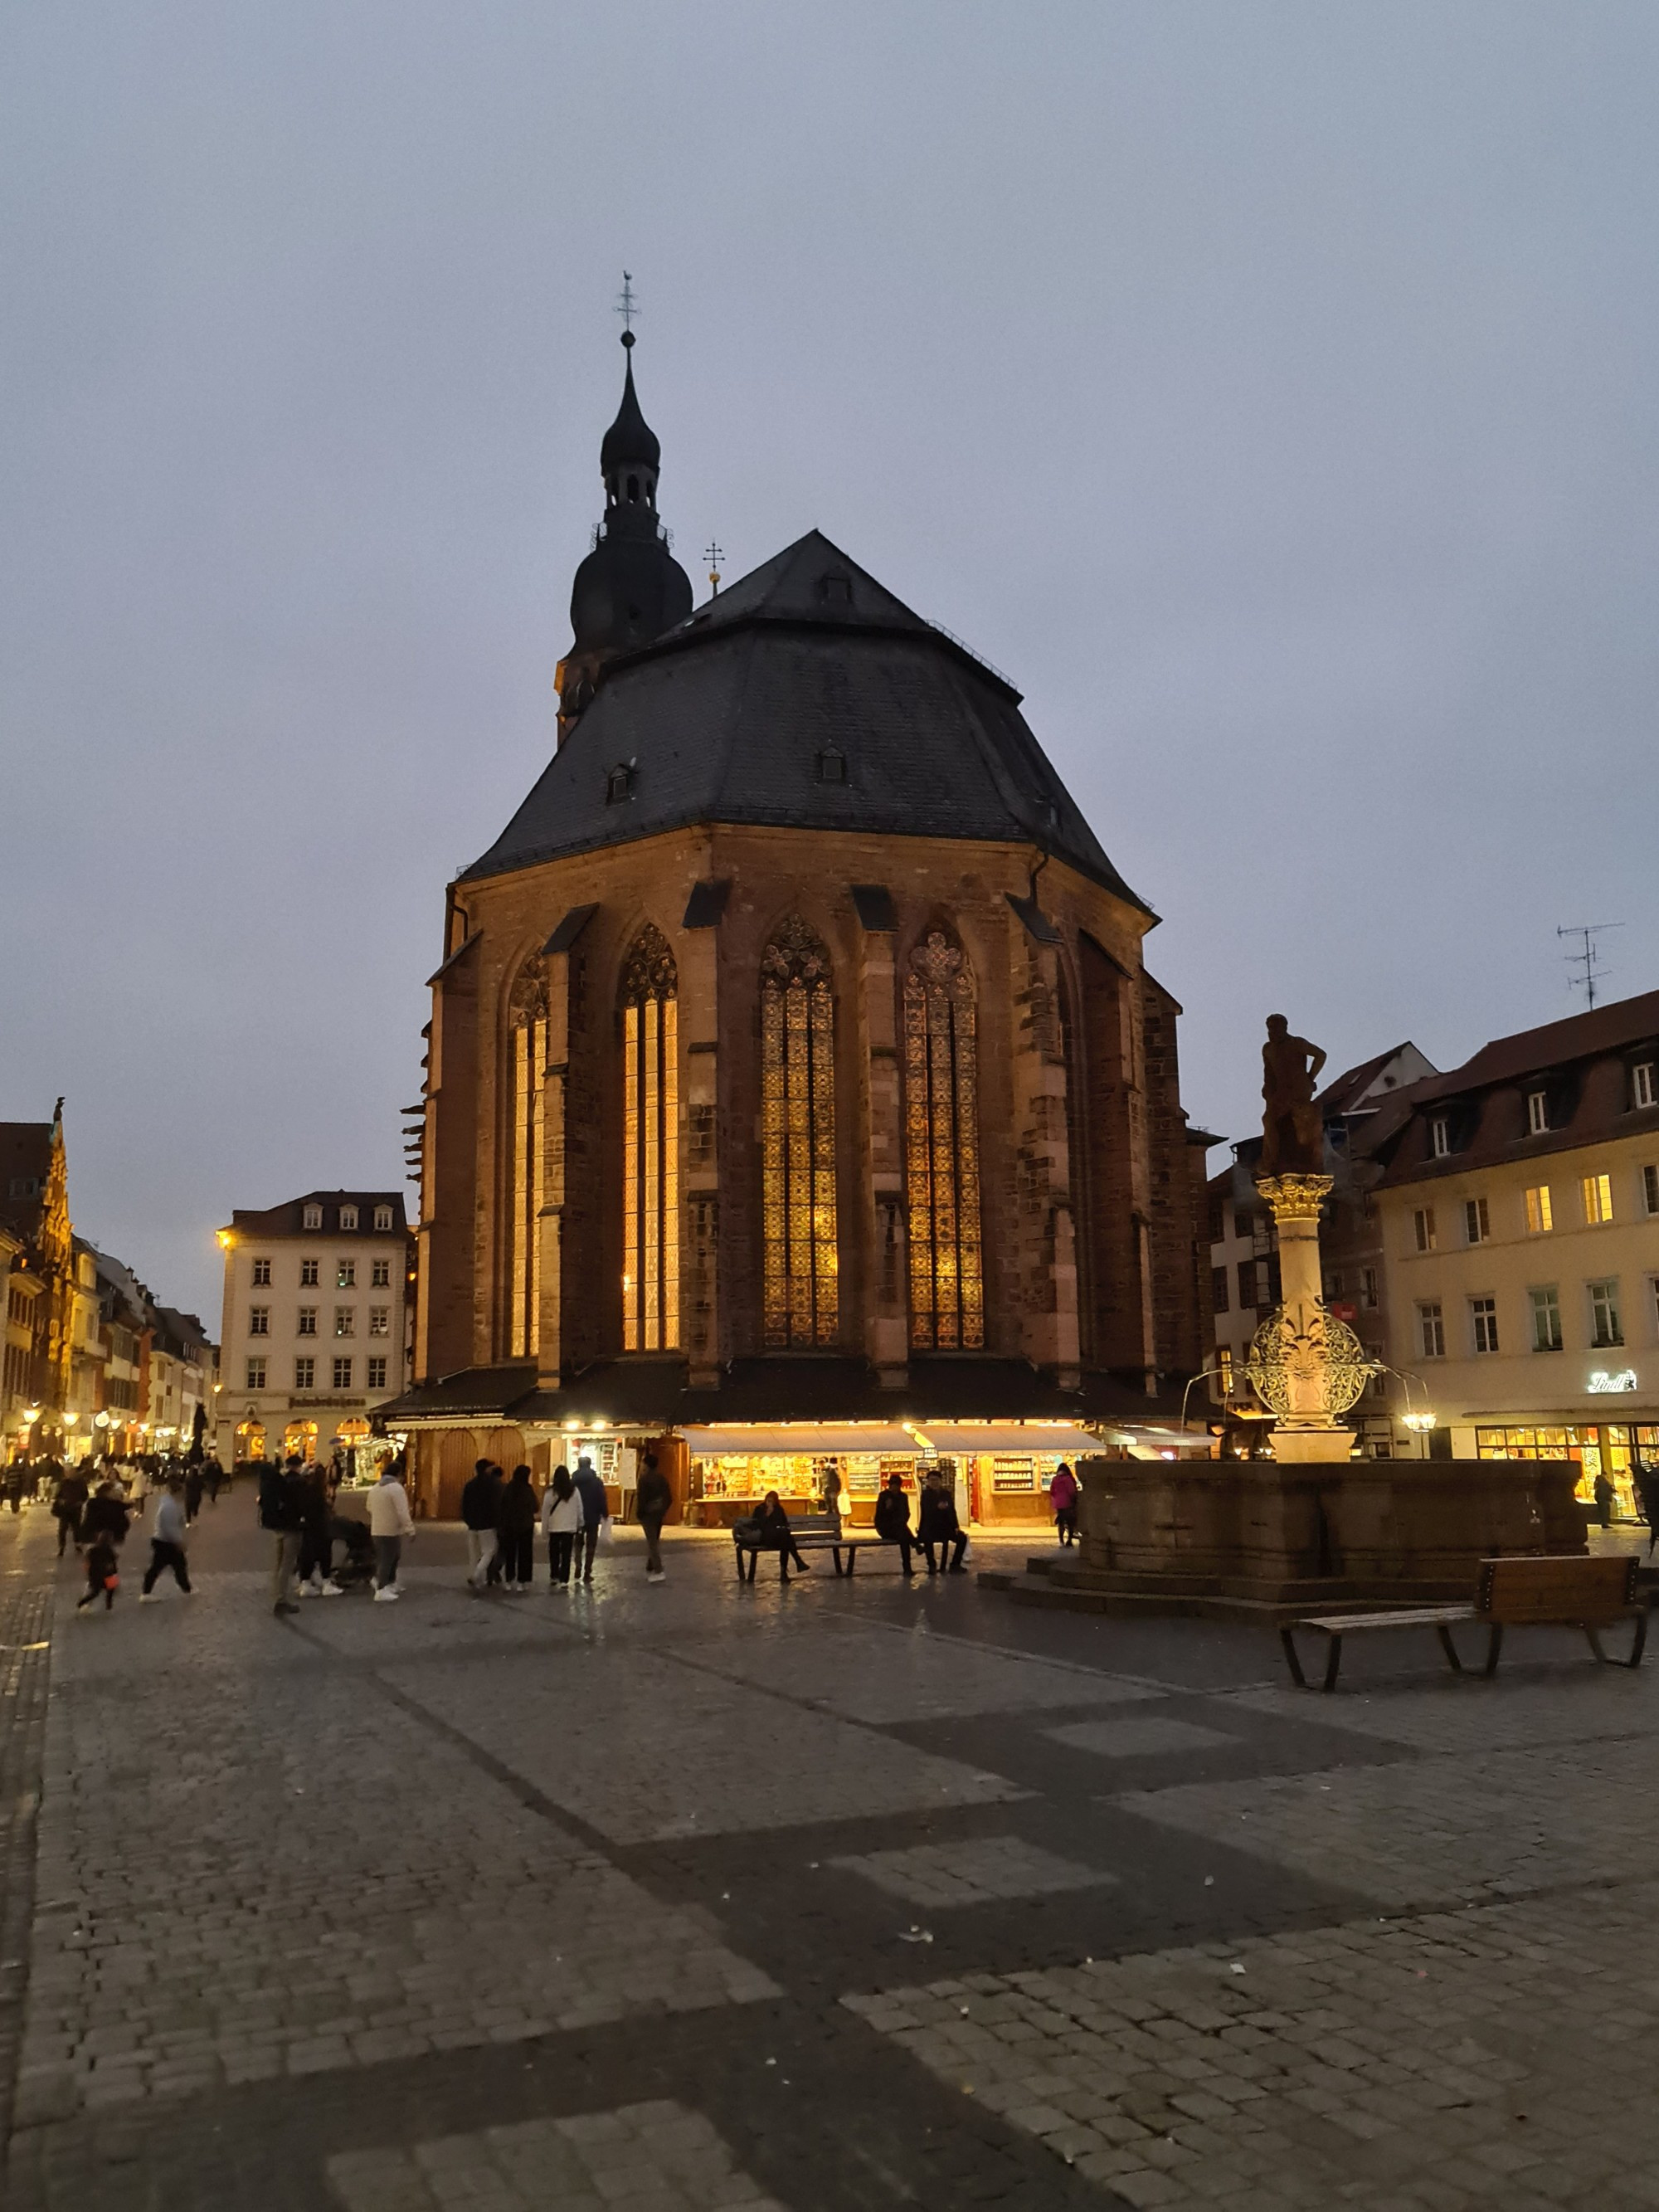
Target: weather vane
x,y
628,307
714,555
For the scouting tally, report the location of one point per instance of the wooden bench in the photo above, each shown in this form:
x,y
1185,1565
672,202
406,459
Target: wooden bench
x,y
812,1531
1568,1592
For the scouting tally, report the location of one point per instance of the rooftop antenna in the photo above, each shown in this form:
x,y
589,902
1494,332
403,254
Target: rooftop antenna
x,y
714,555
627,307
1590,959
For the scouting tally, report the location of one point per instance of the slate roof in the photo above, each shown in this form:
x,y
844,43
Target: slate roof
x,y
729,718
289,1219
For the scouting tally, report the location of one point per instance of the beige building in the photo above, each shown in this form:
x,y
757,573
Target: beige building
x,y
316,1324
1519,1214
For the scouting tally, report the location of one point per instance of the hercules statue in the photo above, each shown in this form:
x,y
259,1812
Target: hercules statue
x,y
1292,1130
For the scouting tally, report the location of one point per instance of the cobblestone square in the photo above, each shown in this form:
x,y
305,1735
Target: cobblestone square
x,y
846,1893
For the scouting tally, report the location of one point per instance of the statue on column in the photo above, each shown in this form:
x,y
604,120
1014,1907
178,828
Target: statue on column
x,y
1292,1130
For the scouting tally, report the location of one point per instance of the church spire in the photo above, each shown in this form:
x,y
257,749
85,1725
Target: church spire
x,y
630,589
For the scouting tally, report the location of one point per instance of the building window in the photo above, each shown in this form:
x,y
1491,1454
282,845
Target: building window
x,y
1540,1219
1640,1084
1477,1222
801,1295
258,1320
1651,1189
305,1373
380,1321
382,1218
1483,1313
1218,1290
1246,1284
342,1374
1368,1296
651,1145
347,1216
312,1217
1538,1112
1605,1328
526,1074
1546,1319
941,1149
619,783
377,1373
256,1375
345,1275
307,1322
1431,1329
832,765
1223,1363
345,1320
379,1274
309,1270
1422,1227
1440,1137
261,1272
1598,1198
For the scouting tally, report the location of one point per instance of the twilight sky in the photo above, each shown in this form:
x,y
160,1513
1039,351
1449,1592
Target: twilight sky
x,y
1269,388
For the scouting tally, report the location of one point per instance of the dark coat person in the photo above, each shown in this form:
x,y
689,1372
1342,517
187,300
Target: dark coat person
x,y
893,1518
520,1508
481,1512
937,1524
105,1516
653,1500
774,1534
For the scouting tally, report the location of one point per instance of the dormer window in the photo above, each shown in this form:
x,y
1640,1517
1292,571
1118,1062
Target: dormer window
x,y
1439,1137
619,784
347,1216
1641,1092
832,766
382,1218
1538,1112
313,1217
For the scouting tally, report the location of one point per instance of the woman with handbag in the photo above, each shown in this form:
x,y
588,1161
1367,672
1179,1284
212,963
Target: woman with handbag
x,y
561,1524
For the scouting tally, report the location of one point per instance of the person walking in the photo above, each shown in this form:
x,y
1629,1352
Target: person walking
x,y
937,1524
1062,1496
893,1518
595,1513
518,1509
390,1521
774,1534
1647,1495
1604,1501
193,1487
68,1505
316,1535
213,1475
106,1515
561,1524
103,1575
481,1506
167,1541
653,1500
280,1515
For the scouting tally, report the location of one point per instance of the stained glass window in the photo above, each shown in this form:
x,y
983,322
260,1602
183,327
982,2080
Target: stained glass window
x,y
526,1064
941,1149
801,1302
651,1145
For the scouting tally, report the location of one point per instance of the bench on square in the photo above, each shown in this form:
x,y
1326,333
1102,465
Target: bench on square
x,y
812,1531
1565,1592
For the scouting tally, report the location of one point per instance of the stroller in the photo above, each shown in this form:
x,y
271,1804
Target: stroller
x,y
354,1553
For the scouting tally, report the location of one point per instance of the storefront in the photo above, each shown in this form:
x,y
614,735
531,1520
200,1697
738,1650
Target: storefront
x,y
1609,1448
1000,1471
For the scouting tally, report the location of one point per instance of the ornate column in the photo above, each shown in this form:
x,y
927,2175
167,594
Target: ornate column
x,y
1305,1365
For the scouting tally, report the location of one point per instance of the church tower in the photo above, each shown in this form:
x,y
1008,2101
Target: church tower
x,y
630,589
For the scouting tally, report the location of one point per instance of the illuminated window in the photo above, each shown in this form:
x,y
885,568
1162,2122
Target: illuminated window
x,y
651,1145
1538,1112
798,1139
380,1321
1539,1216
1605,1328
1598,1198
1546,1319
1423,1224
1483,1315
941,1147
526,1064
1224,1371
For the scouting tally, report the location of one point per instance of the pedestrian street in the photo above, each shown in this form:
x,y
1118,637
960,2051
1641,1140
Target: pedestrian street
x,y
841,1893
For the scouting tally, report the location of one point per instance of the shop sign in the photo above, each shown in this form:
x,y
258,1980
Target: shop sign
x,y
1603,1385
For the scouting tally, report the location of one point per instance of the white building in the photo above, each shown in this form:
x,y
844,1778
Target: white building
x,y
317,1294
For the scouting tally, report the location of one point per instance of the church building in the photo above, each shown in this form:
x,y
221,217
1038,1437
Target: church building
x,y
797,1100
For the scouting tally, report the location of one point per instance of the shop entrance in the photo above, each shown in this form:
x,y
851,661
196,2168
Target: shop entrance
x,y
1609,1448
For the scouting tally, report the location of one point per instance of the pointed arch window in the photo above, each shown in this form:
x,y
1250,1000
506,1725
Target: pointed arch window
x,y
526,1066
941,1149
801,1301
651,1145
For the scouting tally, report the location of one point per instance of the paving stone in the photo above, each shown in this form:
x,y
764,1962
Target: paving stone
x,y
1137,1736
972,1872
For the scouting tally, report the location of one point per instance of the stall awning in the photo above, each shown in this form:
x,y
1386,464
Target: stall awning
x,y
961,1439
814,1439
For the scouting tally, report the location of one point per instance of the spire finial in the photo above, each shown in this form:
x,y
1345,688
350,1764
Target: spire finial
x,y
714,555
628,307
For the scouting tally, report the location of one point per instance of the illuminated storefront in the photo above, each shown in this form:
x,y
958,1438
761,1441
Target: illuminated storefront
x,y
1609,1448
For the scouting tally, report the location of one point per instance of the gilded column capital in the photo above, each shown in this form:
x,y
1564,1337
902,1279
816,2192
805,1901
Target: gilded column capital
x,y
1296,1197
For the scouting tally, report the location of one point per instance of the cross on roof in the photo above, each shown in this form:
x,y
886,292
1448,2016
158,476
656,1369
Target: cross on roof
x,y
627,304
714,555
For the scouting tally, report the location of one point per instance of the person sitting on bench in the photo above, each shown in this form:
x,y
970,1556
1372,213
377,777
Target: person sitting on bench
x,y
774,1534
893,1518
937,1524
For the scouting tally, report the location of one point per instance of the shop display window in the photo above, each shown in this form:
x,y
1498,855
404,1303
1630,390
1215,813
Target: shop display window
x,y
1011,1474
